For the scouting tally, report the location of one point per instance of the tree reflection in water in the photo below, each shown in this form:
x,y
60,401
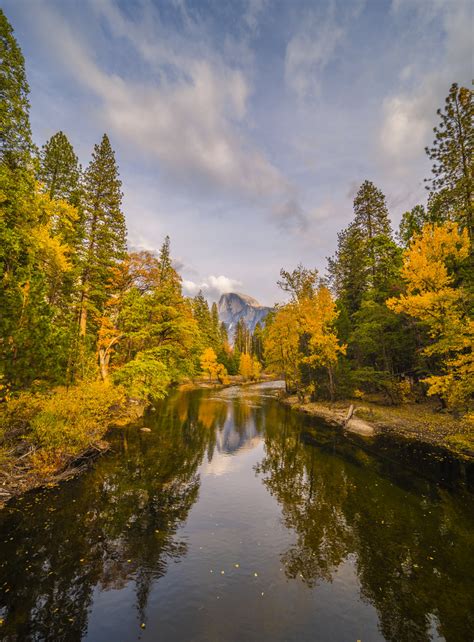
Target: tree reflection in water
x,y
405,542
115,525
118,527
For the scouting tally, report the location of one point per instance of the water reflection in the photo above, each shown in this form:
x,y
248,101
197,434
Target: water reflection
x,y
115,525
120,526
412,547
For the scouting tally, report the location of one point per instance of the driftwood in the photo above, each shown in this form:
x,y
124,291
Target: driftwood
x,y
350,412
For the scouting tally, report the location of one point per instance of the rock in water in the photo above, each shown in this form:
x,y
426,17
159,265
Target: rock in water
x,y
234,306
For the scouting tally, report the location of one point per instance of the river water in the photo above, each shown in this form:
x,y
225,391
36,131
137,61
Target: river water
x,y
237,519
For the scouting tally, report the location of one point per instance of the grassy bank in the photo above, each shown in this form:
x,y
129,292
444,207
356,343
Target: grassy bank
x,y
422,422
48,437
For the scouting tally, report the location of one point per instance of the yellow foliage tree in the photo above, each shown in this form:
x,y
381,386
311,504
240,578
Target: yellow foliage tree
x,y
281,343
222,374
312,316
256,369
246,366
318,314
432,297
209,363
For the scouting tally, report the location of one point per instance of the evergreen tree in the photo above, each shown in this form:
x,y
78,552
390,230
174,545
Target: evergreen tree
x,y
168,277
242,337
412,223
59,169
202,315
347,269
105,232
215,328
257,342
367,260
372,221
15,132
451,187
224,334
60,175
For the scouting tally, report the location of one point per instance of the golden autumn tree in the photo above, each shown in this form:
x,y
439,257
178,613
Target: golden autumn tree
x,y
209,363
256,369
318,314
281,344
222,374
245,366
433,297
302,334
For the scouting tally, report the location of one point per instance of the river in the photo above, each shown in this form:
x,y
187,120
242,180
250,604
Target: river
x,y
237,519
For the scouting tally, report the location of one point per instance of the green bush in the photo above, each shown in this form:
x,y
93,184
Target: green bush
x,y
145,378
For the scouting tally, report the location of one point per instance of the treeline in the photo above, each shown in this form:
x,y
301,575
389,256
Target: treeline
x,y
84,322
394,316
220,359
76,305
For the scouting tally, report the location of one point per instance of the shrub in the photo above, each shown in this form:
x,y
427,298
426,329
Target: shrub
x,y
17,413
144,378
71,420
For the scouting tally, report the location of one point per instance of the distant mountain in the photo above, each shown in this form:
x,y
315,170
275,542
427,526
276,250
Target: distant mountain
x,y
234,306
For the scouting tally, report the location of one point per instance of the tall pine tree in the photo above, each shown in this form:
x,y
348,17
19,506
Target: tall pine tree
x,y
59,169
105,231
15,132
451,186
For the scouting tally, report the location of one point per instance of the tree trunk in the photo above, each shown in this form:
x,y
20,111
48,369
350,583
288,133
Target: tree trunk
x,y
104,358
331,383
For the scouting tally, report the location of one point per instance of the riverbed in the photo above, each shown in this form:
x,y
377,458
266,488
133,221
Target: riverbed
x,y
238,519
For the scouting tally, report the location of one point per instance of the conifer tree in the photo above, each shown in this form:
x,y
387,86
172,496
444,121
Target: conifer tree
x,y
60,175
411,223
105,232
15,132
451,187
347,269
202,315
59,169
367,259
242,337
224,334
169,279
257,342
372,221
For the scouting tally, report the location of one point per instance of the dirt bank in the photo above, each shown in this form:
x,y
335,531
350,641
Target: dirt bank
x,y
421,422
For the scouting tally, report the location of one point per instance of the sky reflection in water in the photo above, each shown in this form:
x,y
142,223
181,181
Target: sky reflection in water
x,y
237,519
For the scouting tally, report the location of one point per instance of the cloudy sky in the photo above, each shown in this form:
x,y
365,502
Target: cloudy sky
x,y
243,128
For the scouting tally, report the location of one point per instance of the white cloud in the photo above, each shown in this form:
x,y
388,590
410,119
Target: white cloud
x,y
409,115
309,51
212,287
190,119
253,12
315,45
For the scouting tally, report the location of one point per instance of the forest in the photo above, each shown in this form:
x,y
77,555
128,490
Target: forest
x,y
88,328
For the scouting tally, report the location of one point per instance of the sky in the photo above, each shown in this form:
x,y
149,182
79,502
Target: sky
x,y
243,128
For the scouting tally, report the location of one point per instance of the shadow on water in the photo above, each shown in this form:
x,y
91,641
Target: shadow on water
x,y
412,540
119,529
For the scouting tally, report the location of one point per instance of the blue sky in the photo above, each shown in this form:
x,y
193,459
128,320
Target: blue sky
x,y
243,128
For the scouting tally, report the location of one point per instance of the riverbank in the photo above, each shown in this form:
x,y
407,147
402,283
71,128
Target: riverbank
x,y
46,438
233,380
27,462
416,422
